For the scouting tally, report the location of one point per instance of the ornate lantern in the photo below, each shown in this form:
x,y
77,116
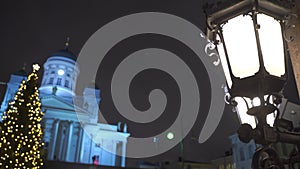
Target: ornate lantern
x,y
250,36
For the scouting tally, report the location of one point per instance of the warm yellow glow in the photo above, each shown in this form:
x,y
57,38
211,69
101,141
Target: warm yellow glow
x,y
12,139
36,67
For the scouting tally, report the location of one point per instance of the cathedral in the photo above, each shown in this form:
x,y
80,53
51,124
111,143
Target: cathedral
x,y
71,131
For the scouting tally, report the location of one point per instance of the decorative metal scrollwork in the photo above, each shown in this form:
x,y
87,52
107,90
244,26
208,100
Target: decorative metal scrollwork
x,y
210,50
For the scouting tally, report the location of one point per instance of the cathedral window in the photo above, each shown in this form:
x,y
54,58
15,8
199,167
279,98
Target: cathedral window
x,y
53,72
67,83
51,80
58,81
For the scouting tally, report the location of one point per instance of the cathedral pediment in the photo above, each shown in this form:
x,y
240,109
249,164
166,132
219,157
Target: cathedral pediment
x,y
54,102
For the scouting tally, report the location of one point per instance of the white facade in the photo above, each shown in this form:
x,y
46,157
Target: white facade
x,y
12,87
66,138
60,71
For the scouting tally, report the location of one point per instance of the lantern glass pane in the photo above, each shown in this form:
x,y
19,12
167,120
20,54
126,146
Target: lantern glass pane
x,y
271,118
224,62
270,36
241,109
239,37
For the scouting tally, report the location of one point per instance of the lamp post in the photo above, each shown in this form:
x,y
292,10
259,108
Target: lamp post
x,y
250,36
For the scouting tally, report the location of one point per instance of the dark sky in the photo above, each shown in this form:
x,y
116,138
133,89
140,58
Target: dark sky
x,y
31,30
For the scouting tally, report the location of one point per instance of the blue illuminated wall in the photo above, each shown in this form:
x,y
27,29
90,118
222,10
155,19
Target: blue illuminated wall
x,y
66,137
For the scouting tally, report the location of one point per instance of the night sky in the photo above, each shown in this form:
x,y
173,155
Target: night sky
x,y
31,30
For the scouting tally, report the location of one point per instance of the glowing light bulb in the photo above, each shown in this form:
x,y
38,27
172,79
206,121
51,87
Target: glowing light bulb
x,y
170,135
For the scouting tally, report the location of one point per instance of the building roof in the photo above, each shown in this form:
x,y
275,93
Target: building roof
x,y
21,72
65,53
93,85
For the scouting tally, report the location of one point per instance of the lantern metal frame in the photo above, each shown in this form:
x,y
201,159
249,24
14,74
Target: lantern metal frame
x,y
260,84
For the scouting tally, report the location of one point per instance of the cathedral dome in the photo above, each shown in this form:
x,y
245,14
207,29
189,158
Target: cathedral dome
x,y
60,73
64,53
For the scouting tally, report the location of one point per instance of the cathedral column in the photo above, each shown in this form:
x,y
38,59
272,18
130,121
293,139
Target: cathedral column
x,y
79,145
54,134
62,141
69,141
123,153
82,147
91,147
114,151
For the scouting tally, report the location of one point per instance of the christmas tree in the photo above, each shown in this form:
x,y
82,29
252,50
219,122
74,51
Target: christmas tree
x,y
21,144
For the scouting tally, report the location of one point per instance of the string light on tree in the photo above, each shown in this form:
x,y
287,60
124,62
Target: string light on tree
x,y
21,144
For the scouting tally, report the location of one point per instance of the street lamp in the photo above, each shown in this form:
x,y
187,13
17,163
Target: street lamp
x,y
250,36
